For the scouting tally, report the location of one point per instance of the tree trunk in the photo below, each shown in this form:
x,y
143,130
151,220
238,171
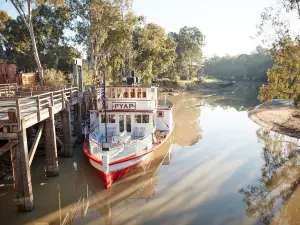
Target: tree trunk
x,y
95,68
36,55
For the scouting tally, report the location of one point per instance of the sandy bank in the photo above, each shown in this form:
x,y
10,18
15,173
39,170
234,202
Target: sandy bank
x,y
279,115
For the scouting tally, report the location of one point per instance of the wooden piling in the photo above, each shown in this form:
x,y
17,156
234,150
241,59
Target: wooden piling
x,y
20,166
23,115
50,146
78,119
67,132
22,176
30,131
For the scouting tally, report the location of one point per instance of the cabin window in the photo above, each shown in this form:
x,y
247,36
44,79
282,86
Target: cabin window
x,y
103,118
121,123
145,118
160,114
132,93
112,119
144,94
118,93
113,93
138,118
126,93
139,93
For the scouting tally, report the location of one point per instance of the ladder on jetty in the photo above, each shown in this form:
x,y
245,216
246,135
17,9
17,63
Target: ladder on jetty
x,y
21,109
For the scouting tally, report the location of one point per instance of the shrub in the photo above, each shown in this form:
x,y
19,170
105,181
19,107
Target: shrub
x,y
53,77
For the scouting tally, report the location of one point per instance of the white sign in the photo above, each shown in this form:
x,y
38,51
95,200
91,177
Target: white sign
x,y
124,105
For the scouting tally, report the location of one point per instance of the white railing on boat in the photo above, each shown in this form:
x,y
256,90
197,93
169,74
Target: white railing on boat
x,y
134,146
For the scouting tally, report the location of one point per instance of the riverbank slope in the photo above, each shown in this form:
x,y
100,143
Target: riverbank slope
x,y
278,115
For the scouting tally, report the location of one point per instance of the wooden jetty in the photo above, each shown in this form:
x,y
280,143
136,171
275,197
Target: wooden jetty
x,y
21,109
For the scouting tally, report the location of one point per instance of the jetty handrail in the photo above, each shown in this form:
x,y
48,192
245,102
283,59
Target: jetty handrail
x,y
7,89
36,103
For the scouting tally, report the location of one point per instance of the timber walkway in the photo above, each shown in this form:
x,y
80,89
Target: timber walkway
x,y
24,109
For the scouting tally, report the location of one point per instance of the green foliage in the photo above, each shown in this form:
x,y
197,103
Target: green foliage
x,y
241,67
25,9
115,40
283,77
155,51
4,17
189,53
53,77
87,75
49,25
105,28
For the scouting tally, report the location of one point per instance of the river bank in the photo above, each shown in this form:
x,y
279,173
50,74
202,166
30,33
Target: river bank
x,y
280,116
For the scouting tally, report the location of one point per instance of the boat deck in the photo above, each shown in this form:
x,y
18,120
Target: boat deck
x,y
129,146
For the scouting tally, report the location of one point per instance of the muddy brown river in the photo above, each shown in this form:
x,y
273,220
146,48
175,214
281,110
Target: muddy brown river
x,y
218,168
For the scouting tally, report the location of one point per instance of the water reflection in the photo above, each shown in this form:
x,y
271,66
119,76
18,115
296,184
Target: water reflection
x,y
186,115
280,175
241,97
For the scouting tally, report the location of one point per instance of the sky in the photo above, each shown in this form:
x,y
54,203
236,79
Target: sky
x,y
227,24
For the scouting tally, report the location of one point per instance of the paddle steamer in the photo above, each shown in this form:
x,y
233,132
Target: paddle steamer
x,y
128,124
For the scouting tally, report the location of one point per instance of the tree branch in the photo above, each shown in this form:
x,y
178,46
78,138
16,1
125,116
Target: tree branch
x,y
22,14
29,9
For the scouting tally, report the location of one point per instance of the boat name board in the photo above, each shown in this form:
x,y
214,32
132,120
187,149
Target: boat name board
x,y
124,105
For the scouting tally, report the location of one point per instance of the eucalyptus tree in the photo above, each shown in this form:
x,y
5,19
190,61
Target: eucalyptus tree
x,y
104,29
24,8
190,41
49,24
155,51
283,78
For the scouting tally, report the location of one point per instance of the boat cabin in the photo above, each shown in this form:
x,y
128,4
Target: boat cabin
x,y
131,110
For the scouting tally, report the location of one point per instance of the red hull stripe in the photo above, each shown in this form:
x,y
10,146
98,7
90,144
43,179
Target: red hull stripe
x,y
111,177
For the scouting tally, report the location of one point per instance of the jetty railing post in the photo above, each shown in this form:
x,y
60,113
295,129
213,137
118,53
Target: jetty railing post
x,y
63,98
38,108
67,132
18,114
71,96
52,99
50,145
22,176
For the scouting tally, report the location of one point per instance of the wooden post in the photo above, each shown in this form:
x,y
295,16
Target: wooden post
x,y
22,176
38,108
71,96
84,106
63,98
18,114
30,138
50,146
52,99
78,119
67,132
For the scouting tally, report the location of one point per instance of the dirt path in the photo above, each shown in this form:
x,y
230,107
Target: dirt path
x,y
279,115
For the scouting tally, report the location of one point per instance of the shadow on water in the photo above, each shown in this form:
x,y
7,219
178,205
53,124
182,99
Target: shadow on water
x,y
280,175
